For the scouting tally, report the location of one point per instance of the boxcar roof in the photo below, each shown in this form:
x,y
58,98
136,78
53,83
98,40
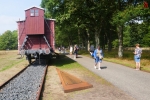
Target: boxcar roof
x,y
50,19
20,21
34,7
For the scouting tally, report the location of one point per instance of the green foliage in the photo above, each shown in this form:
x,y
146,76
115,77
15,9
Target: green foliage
x,y
146,38
8,40
133,31
79,21
80,18
137,33
126,37
130,13
115,43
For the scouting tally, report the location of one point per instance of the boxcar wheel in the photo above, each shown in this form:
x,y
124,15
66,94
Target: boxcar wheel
x,y
29,58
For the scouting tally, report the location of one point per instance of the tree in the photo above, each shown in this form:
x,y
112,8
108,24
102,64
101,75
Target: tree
x,y
8,40
125,16
86,16
97,21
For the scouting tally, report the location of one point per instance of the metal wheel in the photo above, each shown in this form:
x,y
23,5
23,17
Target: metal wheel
x,y
29,58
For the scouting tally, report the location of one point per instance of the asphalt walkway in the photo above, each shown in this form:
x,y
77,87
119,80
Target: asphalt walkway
x,y
133,82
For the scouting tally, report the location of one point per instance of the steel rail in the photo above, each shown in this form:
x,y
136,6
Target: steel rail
x,y
1,86
41,85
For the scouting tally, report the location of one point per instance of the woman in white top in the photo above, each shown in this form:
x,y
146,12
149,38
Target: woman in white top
x,y
71,50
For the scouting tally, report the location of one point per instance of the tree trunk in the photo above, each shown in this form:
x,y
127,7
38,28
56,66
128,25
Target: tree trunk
x,y
79,37
120,37
88,41
97,41
109,38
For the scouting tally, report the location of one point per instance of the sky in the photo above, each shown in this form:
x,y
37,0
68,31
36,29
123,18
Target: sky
x,y
13,10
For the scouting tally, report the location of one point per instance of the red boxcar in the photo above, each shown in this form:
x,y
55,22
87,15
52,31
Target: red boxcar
x,y
36,34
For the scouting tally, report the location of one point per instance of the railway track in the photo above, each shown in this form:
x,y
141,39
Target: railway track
x,y
26,85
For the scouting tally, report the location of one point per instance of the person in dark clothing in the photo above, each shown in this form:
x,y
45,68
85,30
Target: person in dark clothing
x,y
75,51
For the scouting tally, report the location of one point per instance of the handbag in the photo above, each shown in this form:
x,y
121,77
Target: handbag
x,y
138,56
100,57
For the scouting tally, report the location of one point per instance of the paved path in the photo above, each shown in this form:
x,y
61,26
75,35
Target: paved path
x,y
134,83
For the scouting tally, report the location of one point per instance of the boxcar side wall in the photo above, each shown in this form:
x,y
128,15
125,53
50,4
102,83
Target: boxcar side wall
x,y
50,32
52,23
21,33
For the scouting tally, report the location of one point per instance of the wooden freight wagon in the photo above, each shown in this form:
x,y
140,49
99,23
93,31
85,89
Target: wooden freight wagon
x,y
36,34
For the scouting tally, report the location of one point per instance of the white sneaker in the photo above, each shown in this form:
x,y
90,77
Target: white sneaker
x,y
99,69
95,67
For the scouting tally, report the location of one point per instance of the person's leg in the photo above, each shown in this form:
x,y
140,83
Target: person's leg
x,y
136,65
74,55
71,54
99,66
135,59
136,62
95,66
139,65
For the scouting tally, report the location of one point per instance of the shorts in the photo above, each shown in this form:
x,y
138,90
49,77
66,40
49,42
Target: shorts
x,y
98,60
136,59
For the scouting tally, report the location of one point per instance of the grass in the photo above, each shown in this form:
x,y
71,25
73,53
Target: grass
x,y
127,58
11,65
65,63
8,59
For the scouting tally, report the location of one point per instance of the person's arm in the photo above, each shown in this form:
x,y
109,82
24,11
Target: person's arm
x,y
134,52
94,53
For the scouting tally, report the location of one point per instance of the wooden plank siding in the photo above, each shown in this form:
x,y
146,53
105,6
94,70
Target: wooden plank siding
x,y
49,32
34,24
35,28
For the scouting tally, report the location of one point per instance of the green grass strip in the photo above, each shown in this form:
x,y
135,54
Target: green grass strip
x,y
11,65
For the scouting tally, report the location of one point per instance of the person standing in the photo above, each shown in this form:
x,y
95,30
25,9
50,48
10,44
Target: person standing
x,y
137,56
75,51
71,50
59,49
91,50
98,56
